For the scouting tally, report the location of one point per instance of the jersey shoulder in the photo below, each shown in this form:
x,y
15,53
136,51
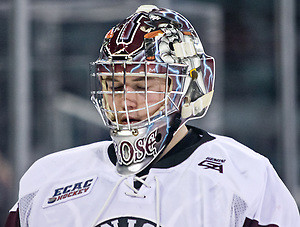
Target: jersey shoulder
x,y
234,149
69,162
231,157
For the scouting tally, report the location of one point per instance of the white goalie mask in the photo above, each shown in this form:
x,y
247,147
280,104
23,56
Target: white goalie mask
x,y
152,75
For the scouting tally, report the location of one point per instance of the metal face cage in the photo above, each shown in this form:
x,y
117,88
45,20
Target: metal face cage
x,y
131,95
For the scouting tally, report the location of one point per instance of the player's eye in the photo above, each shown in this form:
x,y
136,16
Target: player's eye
x,y
115,86
141,88
118,88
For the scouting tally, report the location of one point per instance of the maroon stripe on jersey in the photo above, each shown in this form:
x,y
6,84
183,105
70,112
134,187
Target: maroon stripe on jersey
x,y
253,223
13,219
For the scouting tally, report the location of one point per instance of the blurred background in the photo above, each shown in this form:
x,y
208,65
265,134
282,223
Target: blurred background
x,y
46,47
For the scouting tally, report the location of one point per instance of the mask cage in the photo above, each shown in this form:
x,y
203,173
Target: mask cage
x,y
110,90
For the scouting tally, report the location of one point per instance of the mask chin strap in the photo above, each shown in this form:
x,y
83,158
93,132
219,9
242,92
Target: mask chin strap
x,y
195,107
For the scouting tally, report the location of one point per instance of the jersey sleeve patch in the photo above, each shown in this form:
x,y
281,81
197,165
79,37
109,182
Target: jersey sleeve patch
x,y
71,190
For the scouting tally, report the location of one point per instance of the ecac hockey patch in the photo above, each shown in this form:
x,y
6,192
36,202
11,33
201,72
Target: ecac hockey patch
x,y
70,190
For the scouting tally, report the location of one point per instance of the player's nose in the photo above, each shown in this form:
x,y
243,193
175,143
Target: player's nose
x,y
129,99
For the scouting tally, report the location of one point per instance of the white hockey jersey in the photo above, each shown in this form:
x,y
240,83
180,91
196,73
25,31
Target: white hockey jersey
x,y
220,184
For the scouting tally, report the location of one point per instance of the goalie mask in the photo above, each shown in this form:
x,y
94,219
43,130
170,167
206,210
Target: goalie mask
x,y
152,76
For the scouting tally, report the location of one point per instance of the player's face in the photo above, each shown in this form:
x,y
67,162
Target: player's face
x,y
135,100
